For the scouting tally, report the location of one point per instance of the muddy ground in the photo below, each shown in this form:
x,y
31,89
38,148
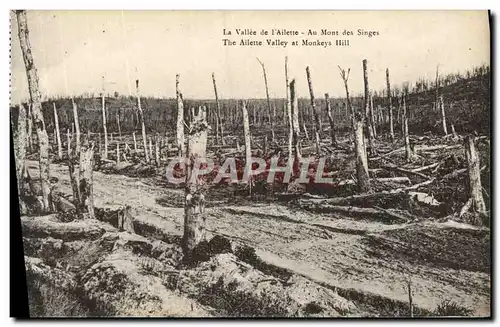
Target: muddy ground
x,y
366,262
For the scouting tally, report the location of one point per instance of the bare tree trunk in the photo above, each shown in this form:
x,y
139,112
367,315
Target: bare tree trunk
x,y
30,129
58,135
373,117
443,115
218,127
143,125
317,121
406,134
363,179
180,119
117,152
306,134
367,115
295,121
436,95
104,126
288,106
86,179
118,124
151,155
389,99
330,119
68,141
73,176
157,150
99,143
361,158
248,149
268,101
194,207
475,188
135,142
32,76
20,146
453,131
77,124
254,116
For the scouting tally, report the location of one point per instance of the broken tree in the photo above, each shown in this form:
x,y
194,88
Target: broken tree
x,y
271,117
389,104
104,127
219,131
194,205
58,135
288,106
180,118
143,125
476,200
443,115
367,115
86,178
406,134
77,124
36,103
330,119
295,121
248,149
317,121
363,179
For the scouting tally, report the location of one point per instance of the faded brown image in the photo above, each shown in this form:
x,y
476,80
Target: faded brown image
x,y
253,163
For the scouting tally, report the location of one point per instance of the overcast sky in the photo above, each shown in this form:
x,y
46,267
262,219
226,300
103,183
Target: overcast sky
x,y
74,49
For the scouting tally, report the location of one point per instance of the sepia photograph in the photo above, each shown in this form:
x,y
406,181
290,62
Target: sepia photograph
x,y
252,164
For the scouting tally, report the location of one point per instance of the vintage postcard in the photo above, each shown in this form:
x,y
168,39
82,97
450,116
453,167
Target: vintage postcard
x,y
297,164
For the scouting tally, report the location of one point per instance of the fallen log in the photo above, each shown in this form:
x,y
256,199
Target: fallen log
x,y
458,172
364,199
380,180
437,147
50,226
352,211
425,167
387,154
404,171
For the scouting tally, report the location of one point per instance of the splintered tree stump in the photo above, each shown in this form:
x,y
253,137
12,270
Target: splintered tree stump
x,y
363,178
475,189
126,220
194,205
86,179
367,116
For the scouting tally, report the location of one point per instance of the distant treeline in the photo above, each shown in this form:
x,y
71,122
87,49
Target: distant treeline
x,y
467,105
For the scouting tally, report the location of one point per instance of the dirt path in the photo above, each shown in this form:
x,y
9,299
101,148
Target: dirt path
x,y
331,249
